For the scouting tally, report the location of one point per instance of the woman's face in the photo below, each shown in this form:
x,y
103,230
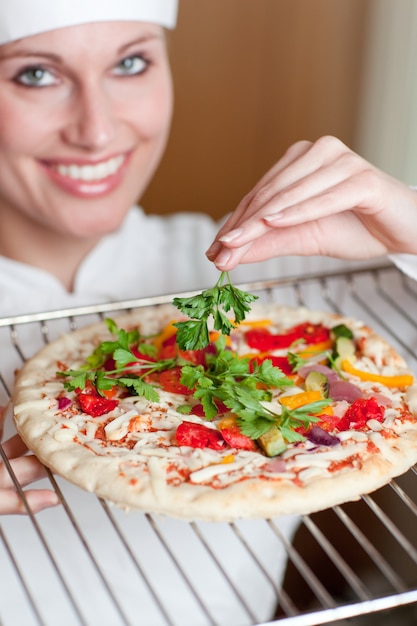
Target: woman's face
x,y
84,118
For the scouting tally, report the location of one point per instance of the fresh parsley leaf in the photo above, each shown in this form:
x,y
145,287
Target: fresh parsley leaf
x,y
140,387
78,380
193,334
270,375
255,427
296,361
121,352
123,357
209,406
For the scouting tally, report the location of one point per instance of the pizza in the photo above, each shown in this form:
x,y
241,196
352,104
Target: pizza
x,y
290,412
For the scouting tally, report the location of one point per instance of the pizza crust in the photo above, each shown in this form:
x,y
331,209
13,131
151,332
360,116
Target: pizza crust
x,y
124,478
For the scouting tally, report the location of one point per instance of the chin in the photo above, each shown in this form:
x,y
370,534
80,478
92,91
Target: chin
x,y
93,227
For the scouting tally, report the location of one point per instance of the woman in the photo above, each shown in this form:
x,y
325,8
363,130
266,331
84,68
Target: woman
x,y
85,110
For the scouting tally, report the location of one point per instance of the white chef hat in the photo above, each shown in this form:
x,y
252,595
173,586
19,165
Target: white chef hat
x,y
22,18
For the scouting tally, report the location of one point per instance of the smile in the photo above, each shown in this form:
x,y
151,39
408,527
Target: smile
x,y
90,172
88,180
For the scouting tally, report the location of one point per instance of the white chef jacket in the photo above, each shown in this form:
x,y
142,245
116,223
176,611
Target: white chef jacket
x,y
148,255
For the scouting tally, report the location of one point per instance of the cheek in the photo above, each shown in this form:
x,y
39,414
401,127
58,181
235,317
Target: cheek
x,y
154,113
22,128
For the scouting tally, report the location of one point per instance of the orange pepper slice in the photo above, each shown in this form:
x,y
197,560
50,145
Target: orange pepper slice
x,y
165,334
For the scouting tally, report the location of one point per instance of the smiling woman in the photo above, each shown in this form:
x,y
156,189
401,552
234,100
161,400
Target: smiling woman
x,y
86,120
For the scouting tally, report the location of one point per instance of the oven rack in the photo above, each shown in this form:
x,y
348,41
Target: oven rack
x,y
351,564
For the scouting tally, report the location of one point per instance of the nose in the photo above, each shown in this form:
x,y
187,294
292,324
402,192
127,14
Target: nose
x,y
92,123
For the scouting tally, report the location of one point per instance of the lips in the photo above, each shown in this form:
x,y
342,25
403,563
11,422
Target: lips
x,y
86,179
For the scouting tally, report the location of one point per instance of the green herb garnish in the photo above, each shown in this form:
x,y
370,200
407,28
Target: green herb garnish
x,y
243,386
127,365
193,334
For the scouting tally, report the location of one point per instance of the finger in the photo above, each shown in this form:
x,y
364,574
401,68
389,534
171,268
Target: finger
x,y
355,192
14,447
291,155
327,192
228,259
327,237
3,413
313,168
27,469
37,500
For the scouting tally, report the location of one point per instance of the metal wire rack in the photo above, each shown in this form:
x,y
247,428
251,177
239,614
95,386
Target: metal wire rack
x,y
350,564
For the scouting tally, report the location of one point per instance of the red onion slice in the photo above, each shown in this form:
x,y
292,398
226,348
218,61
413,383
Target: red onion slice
x,y
318,367
321,437
344,390
64,403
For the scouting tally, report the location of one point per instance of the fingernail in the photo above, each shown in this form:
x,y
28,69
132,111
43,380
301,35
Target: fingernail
x,y
230,236
223,258
273,218
213,250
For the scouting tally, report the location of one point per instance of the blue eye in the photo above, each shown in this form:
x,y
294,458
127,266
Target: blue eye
x,y
36,77
131,66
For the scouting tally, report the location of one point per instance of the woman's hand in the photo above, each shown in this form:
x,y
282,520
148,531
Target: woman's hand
x,y
319,199
27,470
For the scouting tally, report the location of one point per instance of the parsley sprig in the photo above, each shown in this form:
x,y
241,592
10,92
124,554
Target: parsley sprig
x,y
193,334
255,419
127,365
225,373
243,387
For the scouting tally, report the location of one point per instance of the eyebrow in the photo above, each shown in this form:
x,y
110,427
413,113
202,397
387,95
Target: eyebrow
x,y
30,52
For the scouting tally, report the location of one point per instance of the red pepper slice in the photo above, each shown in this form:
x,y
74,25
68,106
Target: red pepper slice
x,y
199,436
95,405
277,361
236,439
362,410
262,339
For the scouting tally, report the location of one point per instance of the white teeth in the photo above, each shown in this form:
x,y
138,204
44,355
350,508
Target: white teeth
x,y
90,173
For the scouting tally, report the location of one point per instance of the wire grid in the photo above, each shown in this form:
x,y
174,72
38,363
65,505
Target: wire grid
x,y
351,561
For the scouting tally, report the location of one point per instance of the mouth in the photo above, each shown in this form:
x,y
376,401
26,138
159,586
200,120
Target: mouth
x,y
91,172
86,179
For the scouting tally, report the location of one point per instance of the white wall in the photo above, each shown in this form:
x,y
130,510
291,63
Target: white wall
x,y
387,125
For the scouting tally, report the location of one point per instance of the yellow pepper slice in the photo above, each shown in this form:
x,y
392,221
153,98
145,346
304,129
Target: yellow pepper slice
x,y
401,380
227,422
300,399
315,348
255,323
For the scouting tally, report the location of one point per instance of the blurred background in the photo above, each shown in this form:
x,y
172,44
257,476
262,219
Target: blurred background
x,y
253,76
